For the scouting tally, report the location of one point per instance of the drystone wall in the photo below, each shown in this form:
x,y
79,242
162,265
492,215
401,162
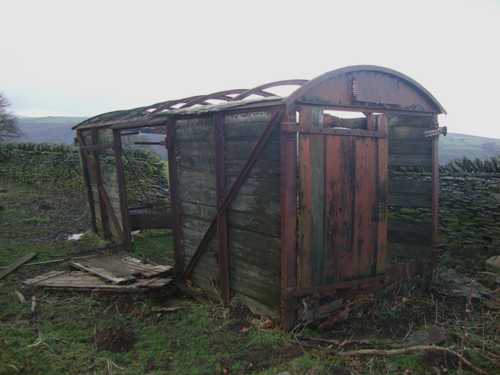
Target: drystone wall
x,y
469,212
59,167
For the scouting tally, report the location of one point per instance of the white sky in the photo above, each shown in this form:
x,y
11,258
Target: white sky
x,y
88,57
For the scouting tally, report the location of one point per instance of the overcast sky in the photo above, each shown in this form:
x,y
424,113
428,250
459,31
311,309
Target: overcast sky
x,y
88,57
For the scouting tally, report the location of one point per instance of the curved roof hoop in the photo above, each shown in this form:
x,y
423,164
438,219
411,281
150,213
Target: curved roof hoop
x,y
301,91
259,90
221,95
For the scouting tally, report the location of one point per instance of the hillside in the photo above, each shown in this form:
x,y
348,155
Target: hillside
x,y
51,129
55,129
457,146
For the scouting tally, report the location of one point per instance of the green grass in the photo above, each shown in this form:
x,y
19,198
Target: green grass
x,y
82,333
63,336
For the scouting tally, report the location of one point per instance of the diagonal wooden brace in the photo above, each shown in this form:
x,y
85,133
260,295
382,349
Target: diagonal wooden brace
x,y
233,192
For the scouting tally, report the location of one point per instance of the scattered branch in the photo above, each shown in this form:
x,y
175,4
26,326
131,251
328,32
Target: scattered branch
x,y
412,350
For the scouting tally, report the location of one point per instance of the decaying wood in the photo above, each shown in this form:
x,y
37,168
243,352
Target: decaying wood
x,y
339,343
20,296
77,280
18,263
33,304
166,309
412,350
103,273
120,269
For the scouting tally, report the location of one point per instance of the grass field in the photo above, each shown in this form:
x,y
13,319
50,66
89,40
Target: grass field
x,y
74,333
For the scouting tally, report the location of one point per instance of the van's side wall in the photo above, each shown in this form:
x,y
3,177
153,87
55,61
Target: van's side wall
x,y
101,166
410,198
253,218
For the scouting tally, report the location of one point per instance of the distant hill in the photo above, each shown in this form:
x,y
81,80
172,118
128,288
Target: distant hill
x,y
57,129
457,146
52,129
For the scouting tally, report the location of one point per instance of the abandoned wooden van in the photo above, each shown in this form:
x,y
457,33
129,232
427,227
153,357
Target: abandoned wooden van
x,y
282,201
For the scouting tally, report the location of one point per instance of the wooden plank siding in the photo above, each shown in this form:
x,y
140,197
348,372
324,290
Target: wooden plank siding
x,y
103,171
410,235
253,219
342,195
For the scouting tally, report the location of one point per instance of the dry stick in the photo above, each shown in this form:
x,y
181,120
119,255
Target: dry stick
x,y
414,349
18,263
340,343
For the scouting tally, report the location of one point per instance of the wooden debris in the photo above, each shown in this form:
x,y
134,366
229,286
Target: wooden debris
x,y
120,269
20,296
18,263
103,273
78,280
33,304
166,309
338,343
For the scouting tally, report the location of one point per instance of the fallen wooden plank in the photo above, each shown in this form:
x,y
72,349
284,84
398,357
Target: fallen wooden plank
x,y
18,263
83,281
120,269
144,269
103,273
45,276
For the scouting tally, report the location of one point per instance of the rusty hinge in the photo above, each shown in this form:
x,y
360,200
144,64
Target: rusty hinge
x,y
436,132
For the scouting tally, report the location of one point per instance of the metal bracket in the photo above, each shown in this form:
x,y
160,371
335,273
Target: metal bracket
x,y
436,132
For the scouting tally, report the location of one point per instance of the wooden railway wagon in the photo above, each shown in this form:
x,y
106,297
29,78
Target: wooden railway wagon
x,y
279,201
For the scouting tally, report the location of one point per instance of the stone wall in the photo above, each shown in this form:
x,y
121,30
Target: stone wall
x,y
469,212
58,167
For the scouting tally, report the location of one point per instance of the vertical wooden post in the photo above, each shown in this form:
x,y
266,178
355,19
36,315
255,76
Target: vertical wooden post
x,y
174,201
86,180
98,180
435,194
222,245
312,238
122,189
382,167
288,202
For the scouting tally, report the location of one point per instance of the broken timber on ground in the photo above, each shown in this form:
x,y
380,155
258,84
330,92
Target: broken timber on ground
x,y
83,281
120,269
276,200
107,273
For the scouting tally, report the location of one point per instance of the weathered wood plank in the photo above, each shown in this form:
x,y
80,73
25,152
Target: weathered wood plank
x,y
120,269
405,184
239,150
340,199
304,255
412,200
413,146
411,232
409,121
364,238
410,160
318,209
18,263
77,280
382,182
